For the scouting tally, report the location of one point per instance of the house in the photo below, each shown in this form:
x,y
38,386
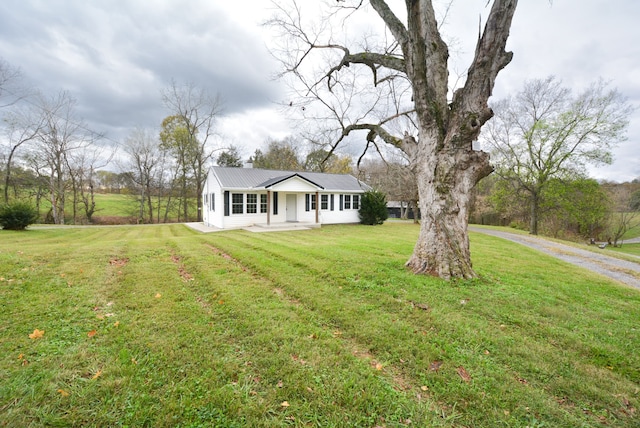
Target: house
x,y
240,197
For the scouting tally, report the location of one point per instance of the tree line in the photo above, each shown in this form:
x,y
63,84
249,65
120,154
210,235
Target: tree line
x,y
51,157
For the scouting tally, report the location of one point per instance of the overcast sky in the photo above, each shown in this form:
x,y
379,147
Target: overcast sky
x,y
116,56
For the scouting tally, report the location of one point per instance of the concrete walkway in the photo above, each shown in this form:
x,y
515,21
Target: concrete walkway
x,y
258,228
620,270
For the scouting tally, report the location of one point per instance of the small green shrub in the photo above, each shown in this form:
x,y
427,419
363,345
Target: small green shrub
x,y
373,208
17,216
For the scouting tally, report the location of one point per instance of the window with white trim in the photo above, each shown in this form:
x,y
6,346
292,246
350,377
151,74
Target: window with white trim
x,y
252,203
212,202
324,202
347,202
263,203
237,203
356,202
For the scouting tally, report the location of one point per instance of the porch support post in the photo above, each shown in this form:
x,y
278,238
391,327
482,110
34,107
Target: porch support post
x,y
317,207
268,207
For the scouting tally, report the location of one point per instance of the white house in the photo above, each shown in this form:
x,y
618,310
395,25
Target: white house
x,y
240,197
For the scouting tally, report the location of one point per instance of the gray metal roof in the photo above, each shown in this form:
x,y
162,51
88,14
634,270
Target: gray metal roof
x,y
254,178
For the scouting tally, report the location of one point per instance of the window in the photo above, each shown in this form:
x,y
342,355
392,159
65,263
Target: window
x,y
332,202
356,202
324,202
237,202
263,203
212,202
347,202
252,203
313,202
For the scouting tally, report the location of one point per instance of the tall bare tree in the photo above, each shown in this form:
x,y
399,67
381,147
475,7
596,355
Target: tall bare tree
x,y
198,110
61,134
408,79
143,161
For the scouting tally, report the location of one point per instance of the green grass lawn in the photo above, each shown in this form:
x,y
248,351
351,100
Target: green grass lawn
x,y
162,326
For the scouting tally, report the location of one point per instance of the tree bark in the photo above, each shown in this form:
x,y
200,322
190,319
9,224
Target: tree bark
x,y
445,182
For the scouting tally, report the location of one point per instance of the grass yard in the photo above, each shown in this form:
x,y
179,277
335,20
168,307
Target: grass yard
x,y
162,326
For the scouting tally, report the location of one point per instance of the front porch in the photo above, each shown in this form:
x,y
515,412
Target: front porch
x,y
281,227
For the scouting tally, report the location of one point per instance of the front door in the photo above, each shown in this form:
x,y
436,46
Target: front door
x,y
292,207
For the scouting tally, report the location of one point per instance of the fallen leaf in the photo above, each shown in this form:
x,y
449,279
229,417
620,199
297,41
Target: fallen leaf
x,y
284,404
424,388
100,317
97,375
63,393
133,360
37,334
117,323
158,295
464,374
337,333
486,352
378,366
280,384
92,333
21,356
221,302
464,301
435,366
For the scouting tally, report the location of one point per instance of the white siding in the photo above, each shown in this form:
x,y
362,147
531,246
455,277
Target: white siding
x,y
213,218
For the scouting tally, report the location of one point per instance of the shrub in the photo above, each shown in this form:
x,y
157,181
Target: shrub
x,y
373,208
17,216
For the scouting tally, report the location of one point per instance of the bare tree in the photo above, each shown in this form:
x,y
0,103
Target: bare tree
x,y
408,80
144,159
61,133
545,132
198,110
82,165
623,216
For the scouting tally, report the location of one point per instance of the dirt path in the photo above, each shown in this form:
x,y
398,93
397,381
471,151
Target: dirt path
x,y
620,270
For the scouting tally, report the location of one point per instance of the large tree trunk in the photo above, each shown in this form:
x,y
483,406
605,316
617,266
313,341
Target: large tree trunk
x,y
445,181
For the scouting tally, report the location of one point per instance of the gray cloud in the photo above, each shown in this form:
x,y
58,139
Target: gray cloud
x,y
116,56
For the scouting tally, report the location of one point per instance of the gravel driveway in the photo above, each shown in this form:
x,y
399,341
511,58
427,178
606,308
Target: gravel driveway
x,y
620,270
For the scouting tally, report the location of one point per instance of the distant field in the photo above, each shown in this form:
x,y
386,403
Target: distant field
x,y
112,204
162,326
